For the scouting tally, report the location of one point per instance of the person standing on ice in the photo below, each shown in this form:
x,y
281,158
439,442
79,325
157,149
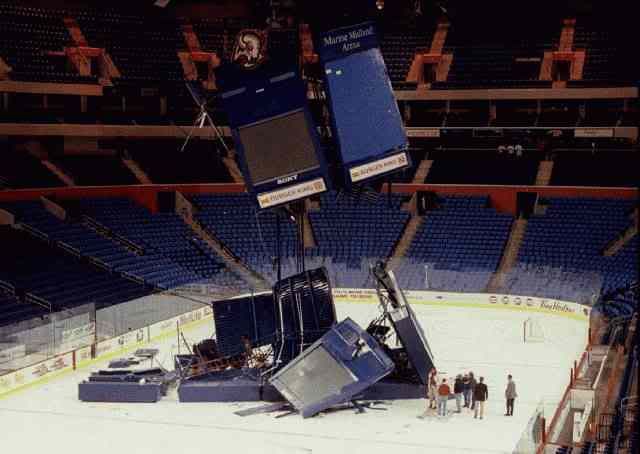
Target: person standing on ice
x,y
466,390
432,390
510,394
472,390
443,397
457,390
480,396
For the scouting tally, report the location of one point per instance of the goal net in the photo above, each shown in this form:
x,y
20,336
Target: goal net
x,y
533,331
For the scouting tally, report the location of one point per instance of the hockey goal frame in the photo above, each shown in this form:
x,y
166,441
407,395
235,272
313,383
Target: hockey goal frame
x,y
528,336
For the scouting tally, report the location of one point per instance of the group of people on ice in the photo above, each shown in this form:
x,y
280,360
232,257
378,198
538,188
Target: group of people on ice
x,y
466,388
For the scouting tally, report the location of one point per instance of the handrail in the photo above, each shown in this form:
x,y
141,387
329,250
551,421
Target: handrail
x,y
31,298
116,237
33,231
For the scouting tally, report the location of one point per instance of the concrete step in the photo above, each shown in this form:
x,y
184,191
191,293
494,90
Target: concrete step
x,y
186,211
509,256
422,171
57,171
136,170
545,170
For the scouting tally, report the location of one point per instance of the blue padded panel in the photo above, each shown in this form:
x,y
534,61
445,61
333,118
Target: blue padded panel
x,y
119,392
305,309
366,118
251,316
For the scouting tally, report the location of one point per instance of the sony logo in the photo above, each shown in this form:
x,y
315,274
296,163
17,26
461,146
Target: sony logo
x,y
287,179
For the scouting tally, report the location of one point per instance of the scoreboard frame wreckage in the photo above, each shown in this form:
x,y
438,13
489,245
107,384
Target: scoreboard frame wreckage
x,y
287,347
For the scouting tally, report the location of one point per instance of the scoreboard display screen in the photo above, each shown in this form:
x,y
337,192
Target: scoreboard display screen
x,y
278,147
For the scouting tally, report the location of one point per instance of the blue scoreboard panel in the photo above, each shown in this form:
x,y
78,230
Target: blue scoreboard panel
x,y
366,122
278,146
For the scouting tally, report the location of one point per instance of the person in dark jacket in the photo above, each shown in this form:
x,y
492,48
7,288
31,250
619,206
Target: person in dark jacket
x,y
457,390
510,394
472,390
466,390
480,396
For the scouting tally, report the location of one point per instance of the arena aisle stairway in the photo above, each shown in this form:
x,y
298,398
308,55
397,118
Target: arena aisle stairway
x,y
461,242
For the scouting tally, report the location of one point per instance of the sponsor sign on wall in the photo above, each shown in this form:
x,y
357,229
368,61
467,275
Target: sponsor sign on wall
x,y
78,337
31,374
512,302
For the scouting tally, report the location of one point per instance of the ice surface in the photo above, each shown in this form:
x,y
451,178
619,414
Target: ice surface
x,y
50,419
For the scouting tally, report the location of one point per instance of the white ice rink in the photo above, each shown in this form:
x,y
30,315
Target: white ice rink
x,y
50,419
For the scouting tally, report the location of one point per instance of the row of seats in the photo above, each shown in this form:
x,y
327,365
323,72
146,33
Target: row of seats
x,y
36,269
95,170
460,242
249,234
143,44
598,168
27,35
202,162
481,166
152,262
510,55
457,247
20,170
562,250
13,310
350,229
162,234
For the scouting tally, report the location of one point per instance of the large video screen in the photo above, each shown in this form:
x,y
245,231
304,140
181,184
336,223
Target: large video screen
x,y
278,147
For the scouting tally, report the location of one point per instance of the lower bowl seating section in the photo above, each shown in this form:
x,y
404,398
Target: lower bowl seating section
x,y
162,235
13,310
353,232
36,269
346,232
562,252
250,234
623,304
461,243
154,268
